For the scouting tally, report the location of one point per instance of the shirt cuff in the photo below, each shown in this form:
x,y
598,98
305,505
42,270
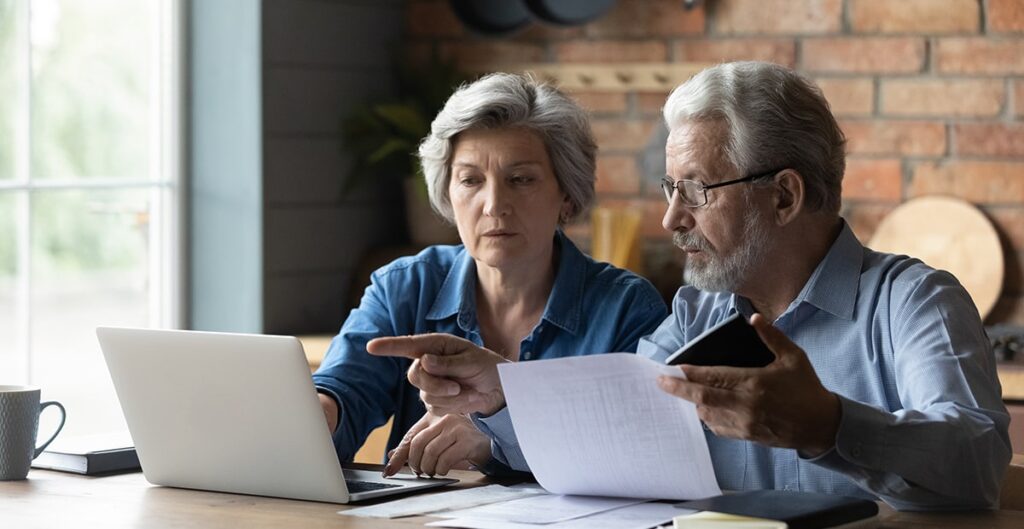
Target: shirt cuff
x,y
860,439
504,445
337,401
497,469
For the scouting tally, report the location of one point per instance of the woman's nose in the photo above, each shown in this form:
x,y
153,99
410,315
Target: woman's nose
x,y
496,202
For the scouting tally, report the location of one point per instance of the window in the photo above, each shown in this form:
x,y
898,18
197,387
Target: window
x,y
89,190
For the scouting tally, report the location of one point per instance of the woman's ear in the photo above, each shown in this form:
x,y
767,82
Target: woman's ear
x,y
788,197
566,211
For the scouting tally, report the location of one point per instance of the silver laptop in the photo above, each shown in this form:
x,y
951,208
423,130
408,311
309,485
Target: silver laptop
x,y
233,413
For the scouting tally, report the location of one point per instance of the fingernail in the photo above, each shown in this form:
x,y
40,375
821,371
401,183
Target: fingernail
x,y
453,390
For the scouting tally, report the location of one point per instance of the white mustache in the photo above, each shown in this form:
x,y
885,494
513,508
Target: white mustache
x,y
690,240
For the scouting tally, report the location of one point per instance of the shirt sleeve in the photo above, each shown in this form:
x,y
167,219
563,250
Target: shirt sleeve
x,y
948,447
363,385
638,318
641,319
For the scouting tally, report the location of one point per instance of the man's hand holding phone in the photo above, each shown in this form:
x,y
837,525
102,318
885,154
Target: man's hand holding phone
x,y
781,404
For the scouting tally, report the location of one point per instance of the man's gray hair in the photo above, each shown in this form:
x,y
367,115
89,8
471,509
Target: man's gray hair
x,y
502,100
776,119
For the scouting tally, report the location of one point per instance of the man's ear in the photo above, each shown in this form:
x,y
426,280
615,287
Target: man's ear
x,y
788,196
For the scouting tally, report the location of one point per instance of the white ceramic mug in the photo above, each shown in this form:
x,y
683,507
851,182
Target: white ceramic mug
x,y
19,424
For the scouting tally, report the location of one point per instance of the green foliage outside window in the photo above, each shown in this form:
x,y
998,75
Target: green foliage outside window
x,y
90,118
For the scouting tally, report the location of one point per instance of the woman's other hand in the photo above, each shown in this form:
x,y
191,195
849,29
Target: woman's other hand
x,y
435,445
330,411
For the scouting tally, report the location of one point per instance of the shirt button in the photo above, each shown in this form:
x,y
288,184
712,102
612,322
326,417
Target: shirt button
x,y
855,451
526,355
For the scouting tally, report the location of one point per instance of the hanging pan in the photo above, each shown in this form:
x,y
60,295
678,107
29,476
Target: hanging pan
x,y
492,17
569,12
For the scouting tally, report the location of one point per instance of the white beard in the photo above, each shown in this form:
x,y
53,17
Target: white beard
x,y
725,274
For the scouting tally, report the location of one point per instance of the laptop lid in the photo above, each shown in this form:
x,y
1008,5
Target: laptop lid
x,y
228,412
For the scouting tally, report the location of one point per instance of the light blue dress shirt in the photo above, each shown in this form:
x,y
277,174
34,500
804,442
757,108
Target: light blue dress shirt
x,y
593,308
923,424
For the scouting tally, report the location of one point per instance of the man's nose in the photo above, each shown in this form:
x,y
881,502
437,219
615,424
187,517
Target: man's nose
x,y
677,216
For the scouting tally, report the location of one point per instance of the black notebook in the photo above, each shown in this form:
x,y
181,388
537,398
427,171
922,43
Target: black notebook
x,y
799,510
90,454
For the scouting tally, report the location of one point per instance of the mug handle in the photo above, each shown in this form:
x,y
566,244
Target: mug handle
x,y
63,417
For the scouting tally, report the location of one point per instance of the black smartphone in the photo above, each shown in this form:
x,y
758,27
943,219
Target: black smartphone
x,y
733,342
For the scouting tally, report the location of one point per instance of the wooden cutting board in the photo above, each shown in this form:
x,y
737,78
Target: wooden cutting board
x,y
949,234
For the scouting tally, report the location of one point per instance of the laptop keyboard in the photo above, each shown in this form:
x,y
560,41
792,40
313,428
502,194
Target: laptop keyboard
x,y
355,486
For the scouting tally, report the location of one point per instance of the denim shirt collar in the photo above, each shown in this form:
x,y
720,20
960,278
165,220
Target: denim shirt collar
x,y
565,305
833,286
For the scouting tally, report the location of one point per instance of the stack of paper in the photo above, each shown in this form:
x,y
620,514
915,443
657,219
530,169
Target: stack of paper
x,y
523,507
544,509
562,512
444,501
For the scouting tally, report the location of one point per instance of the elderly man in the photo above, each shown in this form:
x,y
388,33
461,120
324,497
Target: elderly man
x,y
884,382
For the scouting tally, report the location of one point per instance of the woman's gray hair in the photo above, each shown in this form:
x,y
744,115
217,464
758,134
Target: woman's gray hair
x,y
503,100
776,119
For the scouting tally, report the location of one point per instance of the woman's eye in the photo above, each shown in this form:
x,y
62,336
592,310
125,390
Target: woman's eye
x,y
520,179
469,181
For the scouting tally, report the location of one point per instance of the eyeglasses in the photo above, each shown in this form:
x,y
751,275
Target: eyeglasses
x,y
694,194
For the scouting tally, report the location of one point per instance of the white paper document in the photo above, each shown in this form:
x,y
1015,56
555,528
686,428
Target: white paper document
x,y
638,516
456,499
599,425
543,509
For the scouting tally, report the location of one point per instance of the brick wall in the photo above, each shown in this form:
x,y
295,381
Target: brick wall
x,y
929,92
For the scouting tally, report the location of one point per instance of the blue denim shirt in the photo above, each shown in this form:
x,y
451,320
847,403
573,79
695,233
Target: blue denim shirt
x,y
593,308
923,424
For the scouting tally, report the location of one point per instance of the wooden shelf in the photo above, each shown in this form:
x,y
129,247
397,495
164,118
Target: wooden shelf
x,y
607,77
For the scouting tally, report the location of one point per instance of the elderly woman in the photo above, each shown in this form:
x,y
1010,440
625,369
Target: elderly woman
x,y
509,161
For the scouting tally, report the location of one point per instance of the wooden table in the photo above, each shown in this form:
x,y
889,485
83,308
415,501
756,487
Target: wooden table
x,y
57,500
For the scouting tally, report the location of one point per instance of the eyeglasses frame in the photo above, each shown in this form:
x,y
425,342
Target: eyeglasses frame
x,y
674,185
